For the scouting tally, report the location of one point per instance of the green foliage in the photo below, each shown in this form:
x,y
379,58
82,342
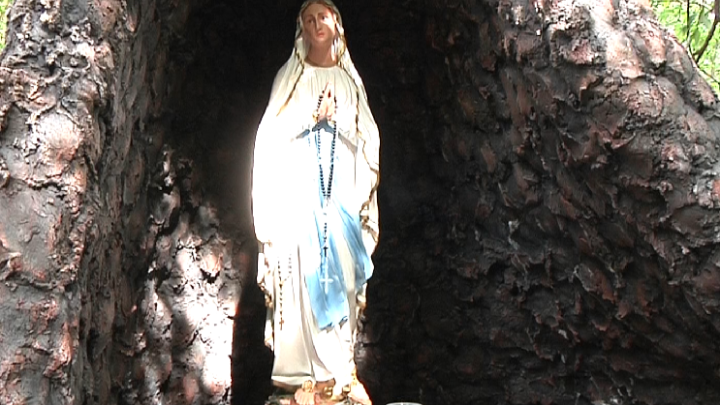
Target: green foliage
x,y
4,5
692,22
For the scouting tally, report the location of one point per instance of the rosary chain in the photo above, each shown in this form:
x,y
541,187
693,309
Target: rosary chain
x,y
326,190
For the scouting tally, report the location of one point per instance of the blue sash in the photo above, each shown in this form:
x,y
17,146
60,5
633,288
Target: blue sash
x,y
326,285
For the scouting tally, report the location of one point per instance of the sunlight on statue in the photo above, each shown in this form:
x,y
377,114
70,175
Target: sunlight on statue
x,y
315,176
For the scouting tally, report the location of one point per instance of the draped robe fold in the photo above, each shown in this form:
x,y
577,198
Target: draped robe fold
x,y
313,308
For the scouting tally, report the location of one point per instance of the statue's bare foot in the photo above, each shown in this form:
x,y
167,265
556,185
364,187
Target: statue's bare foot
x,y
305,395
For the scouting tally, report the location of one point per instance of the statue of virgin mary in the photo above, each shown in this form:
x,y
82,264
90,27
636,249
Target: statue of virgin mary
x,y
315,177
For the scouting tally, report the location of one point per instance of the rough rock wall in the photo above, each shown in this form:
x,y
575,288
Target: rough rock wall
x,y
558,243
72,169
110,293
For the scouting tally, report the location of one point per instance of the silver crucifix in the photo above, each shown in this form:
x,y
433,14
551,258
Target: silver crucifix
x,y
327,280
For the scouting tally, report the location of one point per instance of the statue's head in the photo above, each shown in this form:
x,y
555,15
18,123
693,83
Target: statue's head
x,y
295,66
319,24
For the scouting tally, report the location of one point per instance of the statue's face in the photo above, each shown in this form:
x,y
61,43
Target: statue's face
x,y
318,24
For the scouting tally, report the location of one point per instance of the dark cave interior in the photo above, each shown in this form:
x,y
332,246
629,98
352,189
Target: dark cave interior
x,y
226,58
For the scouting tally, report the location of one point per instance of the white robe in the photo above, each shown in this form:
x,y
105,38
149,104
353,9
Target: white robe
x,y
285,181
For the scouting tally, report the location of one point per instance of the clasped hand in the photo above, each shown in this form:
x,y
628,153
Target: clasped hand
x,y
326,111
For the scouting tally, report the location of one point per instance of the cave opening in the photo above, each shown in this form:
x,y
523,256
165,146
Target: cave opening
x,y
224,59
